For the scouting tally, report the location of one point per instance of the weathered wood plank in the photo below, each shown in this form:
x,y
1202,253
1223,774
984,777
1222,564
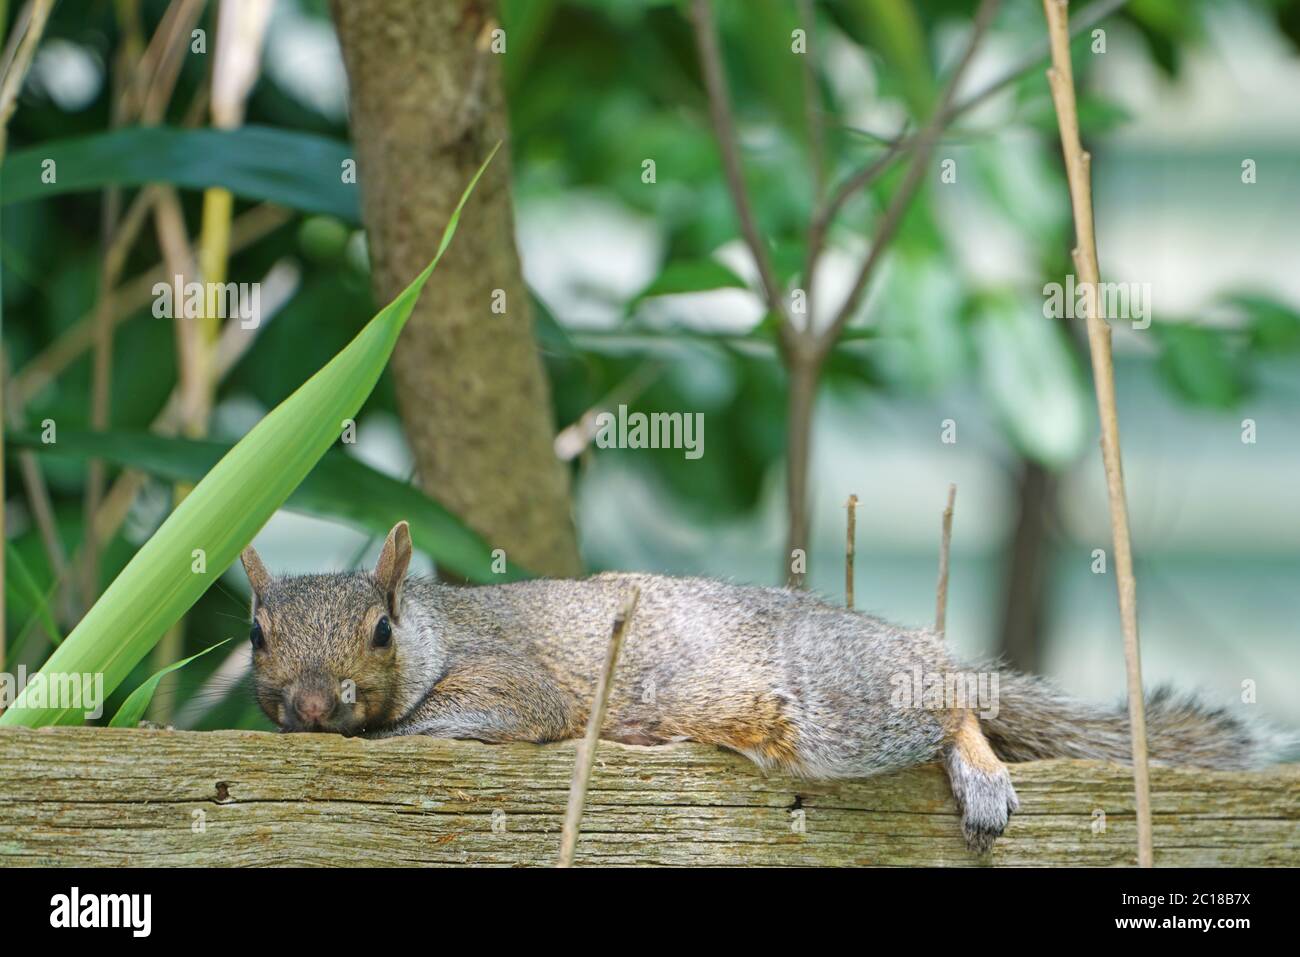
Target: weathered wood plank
x,y
105,797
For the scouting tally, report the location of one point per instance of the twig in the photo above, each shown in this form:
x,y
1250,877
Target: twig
x,y
34,17
897,145
803,350
191,359
42,368
850,548
129,68
38,493
15,36
1086,18
945,546
24,52
824,216
587,748
231,347
168,48
923,147
715,83
811,97
1078,167
119,244
574,439
169,224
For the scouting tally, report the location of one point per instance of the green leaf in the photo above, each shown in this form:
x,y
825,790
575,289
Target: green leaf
x,y
694,275
1272,326
297,170
339,487
551,337
226,509
765,29
1201,364
24,582
137,702
892,29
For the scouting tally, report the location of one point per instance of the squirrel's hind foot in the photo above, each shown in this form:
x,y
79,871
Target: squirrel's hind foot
x,y
981,785
987,801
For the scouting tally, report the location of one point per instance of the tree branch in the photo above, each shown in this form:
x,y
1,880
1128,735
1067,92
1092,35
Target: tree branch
x,y
816,139
896,146
923,147
724,128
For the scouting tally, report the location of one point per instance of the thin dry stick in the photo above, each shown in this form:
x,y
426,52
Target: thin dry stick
x,y
14,76
233,345
574,439
42,368
945,546
724,127
116,250
35,16
587,747
38,494
1078,167
148,81
169,222
14,36
126,67
169,48
851,534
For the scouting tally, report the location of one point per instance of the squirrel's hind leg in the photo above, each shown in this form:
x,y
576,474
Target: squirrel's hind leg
x,y
980,783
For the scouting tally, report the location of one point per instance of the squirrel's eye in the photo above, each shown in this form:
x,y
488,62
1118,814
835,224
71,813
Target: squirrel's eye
x,y
383,633
256,637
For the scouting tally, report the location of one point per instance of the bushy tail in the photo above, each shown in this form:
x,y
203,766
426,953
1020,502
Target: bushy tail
x,y
1037,720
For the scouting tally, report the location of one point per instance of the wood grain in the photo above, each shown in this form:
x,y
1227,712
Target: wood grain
x,y
119,797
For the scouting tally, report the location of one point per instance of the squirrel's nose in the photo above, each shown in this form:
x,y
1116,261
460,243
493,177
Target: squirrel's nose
x,y
313,705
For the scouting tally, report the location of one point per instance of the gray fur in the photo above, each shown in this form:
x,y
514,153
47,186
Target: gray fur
x,y
778,675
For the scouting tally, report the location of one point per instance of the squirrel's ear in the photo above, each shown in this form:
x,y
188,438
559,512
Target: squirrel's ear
x,y
258,577
391,568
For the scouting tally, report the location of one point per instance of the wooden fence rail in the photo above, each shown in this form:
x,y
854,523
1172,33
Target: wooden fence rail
x,y
106,797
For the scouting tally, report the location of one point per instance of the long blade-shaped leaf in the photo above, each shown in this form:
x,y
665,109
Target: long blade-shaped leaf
x,y
137,702
298,170
207,531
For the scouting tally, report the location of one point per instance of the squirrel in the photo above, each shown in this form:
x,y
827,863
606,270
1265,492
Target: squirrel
x,y
775,674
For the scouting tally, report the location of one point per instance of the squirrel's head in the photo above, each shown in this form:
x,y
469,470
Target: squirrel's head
x,y
326,648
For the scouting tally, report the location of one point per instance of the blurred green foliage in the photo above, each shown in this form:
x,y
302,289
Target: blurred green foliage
x,y
594,88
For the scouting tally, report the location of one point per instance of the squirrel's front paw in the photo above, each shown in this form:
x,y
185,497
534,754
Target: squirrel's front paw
x,y
986,797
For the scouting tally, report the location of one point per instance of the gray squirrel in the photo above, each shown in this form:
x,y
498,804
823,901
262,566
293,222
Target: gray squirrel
x,y
777,675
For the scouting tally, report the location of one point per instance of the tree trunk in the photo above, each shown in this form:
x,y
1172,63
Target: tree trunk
x,y
1024,591
426,107
802,401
